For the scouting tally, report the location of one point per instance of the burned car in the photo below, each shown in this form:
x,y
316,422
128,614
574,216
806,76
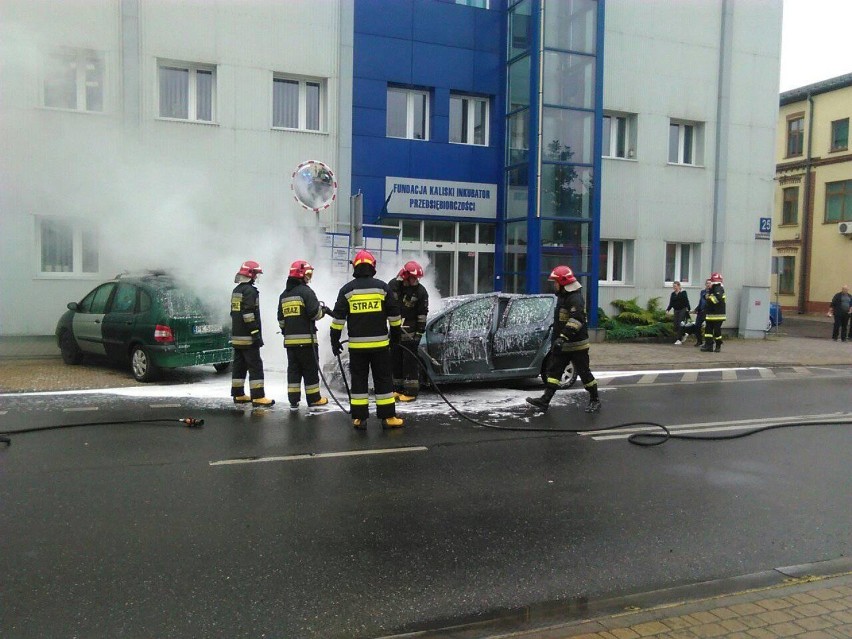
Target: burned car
x,y
490,336
486,337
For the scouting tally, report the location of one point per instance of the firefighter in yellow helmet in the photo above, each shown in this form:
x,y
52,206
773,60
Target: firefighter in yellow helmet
x,y
246,338
367,307
570,341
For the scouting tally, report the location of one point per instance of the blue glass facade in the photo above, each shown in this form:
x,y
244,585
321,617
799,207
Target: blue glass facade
x,y
549,139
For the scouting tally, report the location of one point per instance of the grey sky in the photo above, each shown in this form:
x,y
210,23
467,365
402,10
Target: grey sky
x,y
815,41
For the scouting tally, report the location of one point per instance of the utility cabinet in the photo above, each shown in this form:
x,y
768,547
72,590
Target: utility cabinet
x,y
754,312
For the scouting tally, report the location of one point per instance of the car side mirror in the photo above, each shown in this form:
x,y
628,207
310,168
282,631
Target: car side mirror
x,y
72,306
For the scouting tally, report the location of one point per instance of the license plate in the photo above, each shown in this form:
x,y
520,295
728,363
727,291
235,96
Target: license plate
x,y
206,329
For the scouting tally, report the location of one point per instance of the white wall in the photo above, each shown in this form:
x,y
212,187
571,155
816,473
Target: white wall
x,y
661,61
196,198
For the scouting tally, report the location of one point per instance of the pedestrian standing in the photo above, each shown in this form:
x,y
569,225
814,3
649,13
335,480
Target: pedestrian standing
x,y
570,341
840,310
367,307
701,313
247,338
298,312
679,305
413,301
715,317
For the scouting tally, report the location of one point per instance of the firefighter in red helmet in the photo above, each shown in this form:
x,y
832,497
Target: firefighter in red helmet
x,y
298,310
413,300
716,309
570,341
246,338
367,307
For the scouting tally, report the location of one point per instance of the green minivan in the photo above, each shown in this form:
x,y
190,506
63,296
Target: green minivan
x,y
149,321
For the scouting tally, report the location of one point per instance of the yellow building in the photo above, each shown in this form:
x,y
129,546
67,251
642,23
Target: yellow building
x,y
812,237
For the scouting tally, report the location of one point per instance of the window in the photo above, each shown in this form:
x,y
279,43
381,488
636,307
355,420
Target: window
x,y
66,246
125,299
619,136
526,311
479,4
786,275
838,201
678,263
840,135
685,140
297,104
187,91
790,210
468,120
96,301
795,135
613,258
408,114
74,79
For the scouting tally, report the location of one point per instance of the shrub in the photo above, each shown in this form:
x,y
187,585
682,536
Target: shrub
x,y
634,322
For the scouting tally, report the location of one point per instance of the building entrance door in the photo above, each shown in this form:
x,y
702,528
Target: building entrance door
x,y
442,264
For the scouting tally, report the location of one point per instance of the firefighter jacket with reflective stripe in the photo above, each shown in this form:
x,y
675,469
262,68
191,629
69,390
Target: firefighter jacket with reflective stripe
x,y
245,316
569,321
413,305
298,309
715,304
366,306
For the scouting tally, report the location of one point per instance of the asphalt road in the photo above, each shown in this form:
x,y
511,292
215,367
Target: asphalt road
x,y
251,527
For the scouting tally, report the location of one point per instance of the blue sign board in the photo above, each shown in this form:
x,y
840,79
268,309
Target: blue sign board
x,y
765,225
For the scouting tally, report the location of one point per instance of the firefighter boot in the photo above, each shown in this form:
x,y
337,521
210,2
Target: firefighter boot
x,y
594,404
359,424
542,403
707,346
322,401
262,402
402,397
718,346
242,399
393,422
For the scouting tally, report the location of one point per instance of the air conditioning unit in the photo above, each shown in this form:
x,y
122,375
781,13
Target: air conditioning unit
x,y
845,228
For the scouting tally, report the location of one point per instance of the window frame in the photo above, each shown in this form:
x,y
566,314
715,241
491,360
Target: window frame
x,y
783,278
78,229
629,136
797,149
82,56
302,113
409,113
845,196
792,191
469,103
610,262
834,126
474,4
678,275
192,91
695,131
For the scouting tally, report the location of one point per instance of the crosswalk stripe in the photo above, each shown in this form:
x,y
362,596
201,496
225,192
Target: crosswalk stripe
x,y
729,375
766,373
647,379
690,376
801,370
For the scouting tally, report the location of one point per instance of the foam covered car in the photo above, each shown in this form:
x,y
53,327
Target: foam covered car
x,y
150,322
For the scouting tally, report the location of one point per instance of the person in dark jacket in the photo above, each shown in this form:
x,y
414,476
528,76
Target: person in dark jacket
x,y
716,310
247,338
298,311
840,310
413,300
367,307
700,313
570,341
679,305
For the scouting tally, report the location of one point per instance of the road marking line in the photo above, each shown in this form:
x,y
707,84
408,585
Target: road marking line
x,y
346,453
164,405
606,381
81,409
801,370
691,376
647,379
766,373
829,418
729,375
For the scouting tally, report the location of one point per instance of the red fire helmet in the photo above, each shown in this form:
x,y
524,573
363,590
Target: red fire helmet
x,y
562,275
411,269
301,268
364,257
716,278
250,268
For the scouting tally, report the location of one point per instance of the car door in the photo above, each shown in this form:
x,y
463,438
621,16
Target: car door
x,y
87,323
465,351
119,320
523,327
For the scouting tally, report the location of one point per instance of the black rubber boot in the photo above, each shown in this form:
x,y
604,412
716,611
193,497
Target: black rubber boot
x,y
542,403
594,405
718,346
707,346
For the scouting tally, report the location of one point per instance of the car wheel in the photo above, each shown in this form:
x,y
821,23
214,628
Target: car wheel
x,y
568,377
144,370
71,353
222,367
